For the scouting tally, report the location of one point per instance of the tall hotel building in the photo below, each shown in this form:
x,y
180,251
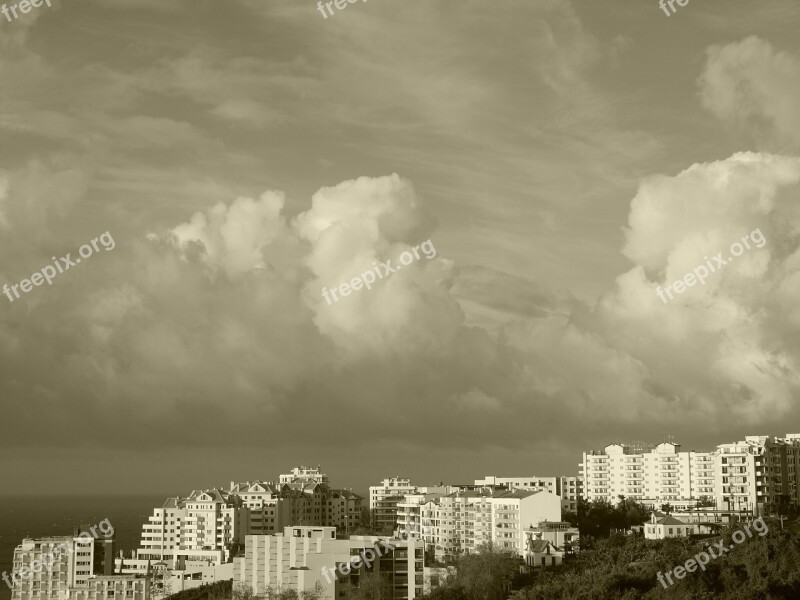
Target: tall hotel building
x,y
650,475
759,474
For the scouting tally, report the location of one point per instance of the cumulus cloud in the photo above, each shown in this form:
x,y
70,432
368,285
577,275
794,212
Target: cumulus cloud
x,y
716,346
352,228
753,85
233,238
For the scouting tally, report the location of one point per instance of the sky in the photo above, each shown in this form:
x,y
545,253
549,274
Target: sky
x,y
565,159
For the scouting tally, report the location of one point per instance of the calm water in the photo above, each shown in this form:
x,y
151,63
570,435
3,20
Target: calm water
x,y
40,516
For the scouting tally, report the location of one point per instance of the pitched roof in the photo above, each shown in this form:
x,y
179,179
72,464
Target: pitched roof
x,y
671,521
538,545
515,493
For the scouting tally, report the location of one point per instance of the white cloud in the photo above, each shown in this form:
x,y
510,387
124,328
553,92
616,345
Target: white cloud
x,y
752,84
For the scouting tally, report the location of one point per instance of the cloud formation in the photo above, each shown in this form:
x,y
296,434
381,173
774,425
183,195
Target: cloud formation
x,y
752,85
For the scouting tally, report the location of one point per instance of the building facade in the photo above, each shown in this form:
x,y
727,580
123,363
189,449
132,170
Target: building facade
x,y
113,587
760,474
199,530
569,489
383,500
54,565
303,558
653,476
460,522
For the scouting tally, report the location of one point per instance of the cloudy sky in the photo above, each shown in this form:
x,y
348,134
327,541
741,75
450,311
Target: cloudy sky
x,y
564,158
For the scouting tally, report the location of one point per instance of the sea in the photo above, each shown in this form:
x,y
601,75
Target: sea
x,y
38,516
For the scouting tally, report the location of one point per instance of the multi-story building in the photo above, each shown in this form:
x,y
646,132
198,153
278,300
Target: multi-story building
x,y
345,511
304,474
198,530
759,474
567,488
75,560
299,558
653,476
267,510
383,500
462,521
113,587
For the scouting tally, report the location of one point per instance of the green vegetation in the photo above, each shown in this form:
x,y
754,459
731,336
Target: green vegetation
x,y
221,590
488,574
270,593
624,567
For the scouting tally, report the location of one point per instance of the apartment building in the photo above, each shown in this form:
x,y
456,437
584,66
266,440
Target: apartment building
x,y
651,475
759,474
462,521
298,559
345,511
569,489
267,511
198,530
113,587
303,474
75,560
383,500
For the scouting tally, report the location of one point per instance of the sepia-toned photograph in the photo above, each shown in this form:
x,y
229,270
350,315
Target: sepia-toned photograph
x,y
399,300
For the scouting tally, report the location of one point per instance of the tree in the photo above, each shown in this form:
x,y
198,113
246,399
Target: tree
x,y
487,574
371,586
244,592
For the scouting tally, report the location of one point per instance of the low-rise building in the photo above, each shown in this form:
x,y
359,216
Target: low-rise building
x,y
663,526
542,553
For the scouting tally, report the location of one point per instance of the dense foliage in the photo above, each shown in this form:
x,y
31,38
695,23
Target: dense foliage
x,y
221,590
488,574
625,567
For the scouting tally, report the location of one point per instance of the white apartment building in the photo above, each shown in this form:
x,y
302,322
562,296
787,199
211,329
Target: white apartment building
x,y
267,510
383,500
392,486
190,532
462,521
653,476
758,474
113,587
296,558
303,474
569,489
74,561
